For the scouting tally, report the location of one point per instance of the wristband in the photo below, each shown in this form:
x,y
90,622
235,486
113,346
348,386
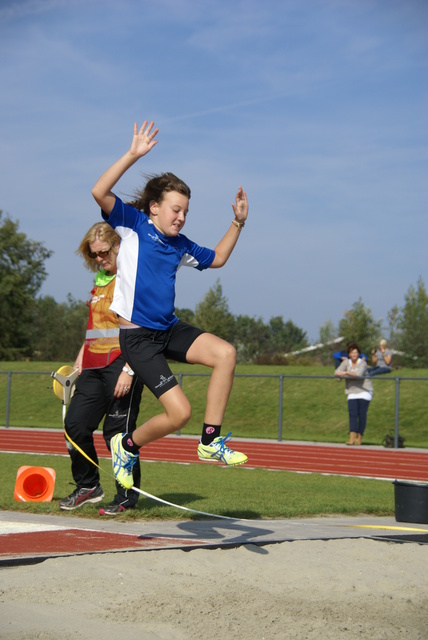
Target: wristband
x,y
128,370
239,225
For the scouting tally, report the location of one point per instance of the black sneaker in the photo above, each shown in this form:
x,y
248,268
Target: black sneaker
x,y
81,496
114,508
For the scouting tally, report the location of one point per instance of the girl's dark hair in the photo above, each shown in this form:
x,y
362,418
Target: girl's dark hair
x,y
155,189
351,346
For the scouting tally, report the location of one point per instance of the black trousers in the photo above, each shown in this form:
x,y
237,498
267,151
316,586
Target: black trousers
x,y
92,401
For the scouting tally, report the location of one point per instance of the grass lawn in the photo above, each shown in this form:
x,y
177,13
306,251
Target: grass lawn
x,y
237,492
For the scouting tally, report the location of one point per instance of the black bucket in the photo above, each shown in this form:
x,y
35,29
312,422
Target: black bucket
x,y
411,502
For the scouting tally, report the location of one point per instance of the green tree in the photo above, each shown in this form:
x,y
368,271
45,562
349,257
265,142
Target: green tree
x,y
58,329
251,338
328,334
285,336
412,326
358,325
213,315
393,319
186,315
22,273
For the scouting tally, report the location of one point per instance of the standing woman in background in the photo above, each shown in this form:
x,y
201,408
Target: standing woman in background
x,y
359,390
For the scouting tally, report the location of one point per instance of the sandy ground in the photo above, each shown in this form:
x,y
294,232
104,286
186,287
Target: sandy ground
x,y
349,588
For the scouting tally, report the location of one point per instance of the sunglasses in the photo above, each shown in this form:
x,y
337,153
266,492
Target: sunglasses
x,y
98,254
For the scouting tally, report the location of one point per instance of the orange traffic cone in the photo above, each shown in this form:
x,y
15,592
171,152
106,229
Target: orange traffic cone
x,y
34,484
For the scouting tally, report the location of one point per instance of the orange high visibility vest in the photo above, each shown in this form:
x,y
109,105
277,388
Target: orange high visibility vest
x,y
101,346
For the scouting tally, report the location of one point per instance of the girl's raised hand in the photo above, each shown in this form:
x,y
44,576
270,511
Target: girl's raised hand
x,y
240,208
144,139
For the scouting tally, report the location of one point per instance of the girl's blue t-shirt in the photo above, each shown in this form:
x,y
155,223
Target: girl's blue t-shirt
x,y
147,265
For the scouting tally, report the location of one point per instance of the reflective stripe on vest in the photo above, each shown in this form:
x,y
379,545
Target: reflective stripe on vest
x,y
93,334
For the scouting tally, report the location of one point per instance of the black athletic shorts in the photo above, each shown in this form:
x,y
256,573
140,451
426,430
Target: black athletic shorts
x,y
147,351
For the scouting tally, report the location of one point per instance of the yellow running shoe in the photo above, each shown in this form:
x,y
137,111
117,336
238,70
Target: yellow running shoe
x,y
217,451
123,461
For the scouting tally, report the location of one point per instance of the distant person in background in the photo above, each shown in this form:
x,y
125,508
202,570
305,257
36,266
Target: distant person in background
x,y
359,391
339,356
381,360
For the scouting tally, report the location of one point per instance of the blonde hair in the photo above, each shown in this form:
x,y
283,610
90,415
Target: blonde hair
x,y
99,231
383,342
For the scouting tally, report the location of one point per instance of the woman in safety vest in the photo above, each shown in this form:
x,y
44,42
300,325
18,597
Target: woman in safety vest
x,y
106,387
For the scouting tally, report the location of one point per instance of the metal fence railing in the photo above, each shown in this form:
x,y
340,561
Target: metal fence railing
x,y
282,391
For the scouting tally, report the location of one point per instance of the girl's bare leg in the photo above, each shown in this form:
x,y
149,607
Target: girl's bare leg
x,y
177,414
218,354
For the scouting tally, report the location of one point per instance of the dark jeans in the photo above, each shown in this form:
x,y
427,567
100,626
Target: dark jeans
x,y
358,415
377,371
92,400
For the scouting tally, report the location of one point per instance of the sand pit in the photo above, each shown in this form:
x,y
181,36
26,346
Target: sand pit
x,y
349,588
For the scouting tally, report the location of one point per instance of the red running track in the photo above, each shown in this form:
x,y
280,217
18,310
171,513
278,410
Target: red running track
x,y
366,462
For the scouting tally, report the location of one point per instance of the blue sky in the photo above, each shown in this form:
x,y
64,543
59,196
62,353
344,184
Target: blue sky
x,y
318,108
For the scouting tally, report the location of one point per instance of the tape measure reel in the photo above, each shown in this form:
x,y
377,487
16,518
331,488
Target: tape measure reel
x,y
64,382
